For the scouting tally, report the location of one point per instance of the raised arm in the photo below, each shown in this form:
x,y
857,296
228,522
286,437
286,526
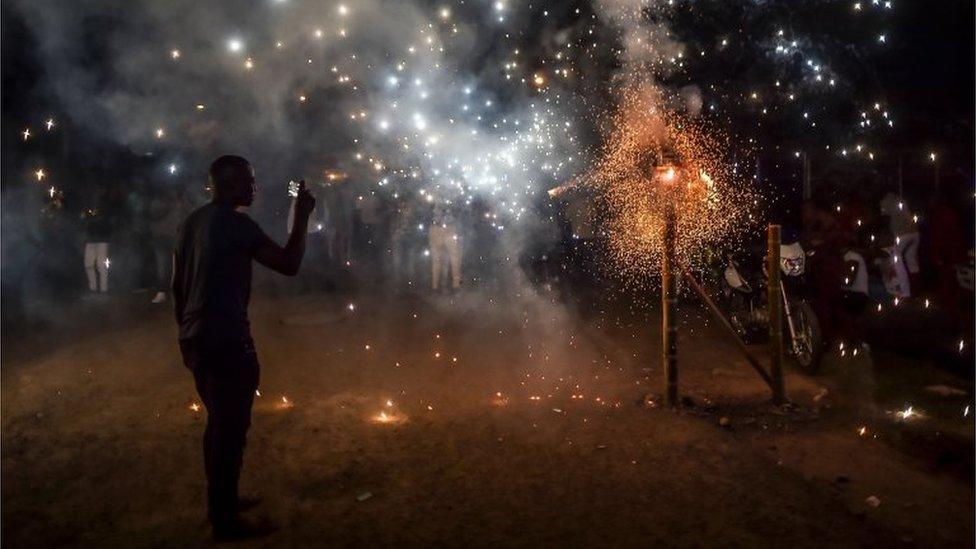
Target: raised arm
x,y
286,260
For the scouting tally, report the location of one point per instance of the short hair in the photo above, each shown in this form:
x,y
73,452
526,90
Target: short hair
x,y
227,169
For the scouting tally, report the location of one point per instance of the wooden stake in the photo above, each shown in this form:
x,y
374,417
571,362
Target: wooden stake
x,y
669,297
775,300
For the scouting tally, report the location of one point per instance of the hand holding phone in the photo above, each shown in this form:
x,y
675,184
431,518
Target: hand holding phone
x,y
294,187
304,201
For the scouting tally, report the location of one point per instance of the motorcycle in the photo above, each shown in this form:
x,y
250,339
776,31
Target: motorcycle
x,y
747,304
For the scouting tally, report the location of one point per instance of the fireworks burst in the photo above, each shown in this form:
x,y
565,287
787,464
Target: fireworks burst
x,y
656,161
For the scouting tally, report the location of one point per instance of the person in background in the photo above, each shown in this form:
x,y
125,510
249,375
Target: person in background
x,y
443,239
404,230
947,244
54,247
165,213
368,210
215,247
826,239
97,231
581,215
482,238
905,240
340,207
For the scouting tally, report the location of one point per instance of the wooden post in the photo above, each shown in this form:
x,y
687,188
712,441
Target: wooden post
x,y
669,296
775,300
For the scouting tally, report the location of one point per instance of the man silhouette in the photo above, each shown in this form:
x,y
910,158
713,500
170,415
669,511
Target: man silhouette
x,y
211,290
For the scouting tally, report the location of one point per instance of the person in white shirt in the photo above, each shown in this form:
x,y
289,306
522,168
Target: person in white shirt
x,y
905,233
443,238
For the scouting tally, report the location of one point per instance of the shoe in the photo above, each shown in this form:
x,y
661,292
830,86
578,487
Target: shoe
x,y
159,298
240,528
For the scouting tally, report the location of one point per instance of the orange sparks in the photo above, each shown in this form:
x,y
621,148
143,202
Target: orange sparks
x,y
655,163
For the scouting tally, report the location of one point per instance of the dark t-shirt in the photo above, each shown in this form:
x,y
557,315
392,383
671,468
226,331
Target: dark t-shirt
x,y
214,249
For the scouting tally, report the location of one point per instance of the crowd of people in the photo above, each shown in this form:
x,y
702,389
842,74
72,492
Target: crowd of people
x,y
875,245
402,242
120,240
871,243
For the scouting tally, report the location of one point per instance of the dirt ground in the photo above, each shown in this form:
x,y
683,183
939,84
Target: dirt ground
x,y
419,421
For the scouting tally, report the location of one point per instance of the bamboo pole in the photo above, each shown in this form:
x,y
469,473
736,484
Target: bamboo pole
x,y
775,300
669,297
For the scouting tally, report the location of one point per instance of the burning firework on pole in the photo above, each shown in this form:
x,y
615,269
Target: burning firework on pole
x,y
669,193
658,165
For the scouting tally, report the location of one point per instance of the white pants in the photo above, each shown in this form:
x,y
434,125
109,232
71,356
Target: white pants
x,y
894,273
96,265
444,239
907,246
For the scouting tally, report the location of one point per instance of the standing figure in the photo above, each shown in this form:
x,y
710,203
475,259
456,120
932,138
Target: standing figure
x,y
211,290
97,232
443,239
906,238
402,244
165,214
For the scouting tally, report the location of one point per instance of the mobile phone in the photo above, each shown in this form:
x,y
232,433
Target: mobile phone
x,y
293,188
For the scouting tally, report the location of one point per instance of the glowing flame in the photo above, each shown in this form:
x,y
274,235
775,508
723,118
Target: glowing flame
x,y
389,415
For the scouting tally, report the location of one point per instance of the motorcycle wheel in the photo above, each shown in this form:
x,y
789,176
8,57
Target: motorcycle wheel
x,y
735,319
737,309
808,349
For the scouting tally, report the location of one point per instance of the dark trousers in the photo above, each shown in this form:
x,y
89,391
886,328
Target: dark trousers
x,y
226,375
163,259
